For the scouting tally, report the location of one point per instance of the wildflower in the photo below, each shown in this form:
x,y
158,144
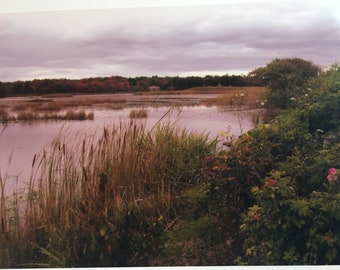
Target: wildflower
x,y
242,95
256,217
332,175
326,238
215,168
249,251
222,133
255,189
270,182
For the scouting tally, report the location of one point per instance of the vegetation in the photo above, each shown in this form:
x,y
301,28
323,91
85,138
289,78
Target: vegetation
x,y
280,182
132,197
142,113
285,79
28,116
116,84
104,201
239,98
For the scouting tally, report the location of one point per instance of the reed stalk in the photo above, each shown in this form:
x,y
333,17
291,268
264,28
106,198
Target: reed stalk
x,y
102,199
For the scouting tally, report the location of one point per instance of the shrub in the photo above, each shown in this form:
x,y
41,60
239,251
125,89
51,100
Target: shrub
x,y
271,184
285,228
285,79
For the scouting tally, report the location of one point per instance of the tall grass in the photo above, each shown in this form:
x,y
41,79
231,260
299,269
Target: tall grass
x,y
27,116
103,200
237,97
141,113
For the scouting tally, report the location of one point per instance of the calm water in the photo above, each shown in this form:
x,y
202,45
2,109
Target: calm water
x,y
19,142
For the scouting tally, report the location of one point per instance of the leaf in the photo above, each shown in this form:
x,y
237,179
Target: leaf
x,y
300,206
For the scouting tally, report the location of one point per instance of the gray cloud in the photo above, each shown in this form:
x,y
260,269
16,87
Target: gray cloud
x,y
163,41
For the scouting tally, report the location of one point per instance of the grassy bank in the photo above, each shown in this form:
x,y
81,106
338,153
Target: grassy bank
x,y
103,201
29,116
237,97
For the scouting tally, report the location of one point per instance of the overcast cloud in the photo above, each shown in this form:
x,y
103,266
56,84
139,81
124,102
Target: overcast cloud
x,y
233,37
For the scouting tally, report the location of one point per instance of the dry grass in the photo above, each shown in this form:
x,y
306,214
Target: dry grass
x,y
202,90
142,113
57,95
236,97
28,116
86,192
47,108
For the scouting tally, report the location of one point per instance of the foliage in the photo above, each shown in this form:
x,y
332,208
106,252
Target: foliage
x,y
164,197
285,79
115,84
295,211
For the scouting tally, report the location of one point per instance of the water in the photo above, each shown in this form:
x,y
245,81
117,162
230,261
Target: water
x,y
19,142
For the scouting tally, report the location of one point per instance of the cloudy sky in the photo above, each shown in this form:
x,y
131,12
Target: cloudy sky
x,y
83,38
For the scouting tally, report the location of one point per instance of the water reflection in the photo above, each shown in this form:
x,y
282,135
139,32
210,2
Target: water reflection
x,y
19,142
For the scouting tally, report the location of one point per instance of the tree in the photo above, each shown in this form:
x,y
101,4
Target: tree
x,y
2,90
285,79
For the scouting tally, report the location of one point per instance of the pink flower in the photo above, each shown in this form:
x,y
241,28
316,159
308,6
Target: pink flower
x,y
270,182
332,171
332,175
256,217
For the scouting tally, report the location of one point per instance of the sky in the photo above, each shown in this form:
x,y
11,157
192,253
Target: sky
x,y
90,38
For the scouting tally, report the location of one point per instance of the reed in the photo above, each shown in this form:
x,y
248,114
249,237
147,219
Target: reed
x,y
28,116
141,113
102,200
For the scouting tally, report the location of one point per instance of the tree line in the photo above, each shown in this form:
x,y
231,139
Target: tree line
x,y
116,84
273,75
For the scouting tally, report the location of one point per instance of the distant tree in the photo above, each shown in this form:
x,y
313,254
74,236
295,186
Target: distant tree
x,y
284,79
210,80
238,80
2,90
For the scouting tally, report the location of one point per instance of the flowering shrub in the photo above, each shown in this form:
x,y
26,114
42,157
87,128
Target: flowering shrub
x,y
275,190
284,228
332,175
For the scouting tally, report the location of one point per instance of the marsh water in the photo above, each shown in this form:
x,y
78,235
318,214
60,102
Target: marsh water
x,y
19,142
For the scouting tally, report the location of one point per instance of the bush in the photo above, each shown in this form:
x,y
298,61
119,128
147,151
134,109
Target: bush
x,y
285,228
285,79
295,211
271,188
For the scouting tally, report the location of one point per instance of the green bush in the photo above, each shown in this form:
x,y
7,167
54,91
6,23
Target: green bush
x,y
271,188
285,228
296,207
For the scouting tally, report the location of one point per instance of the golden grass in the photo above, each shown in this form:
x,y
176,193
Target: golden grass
x,y
201,90
28,116
86,192
57,95
142,113
238,96
48,108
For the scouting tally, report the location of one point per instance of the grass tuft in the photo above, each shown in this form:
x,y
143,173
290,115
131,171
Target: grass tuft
x,y
141,113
